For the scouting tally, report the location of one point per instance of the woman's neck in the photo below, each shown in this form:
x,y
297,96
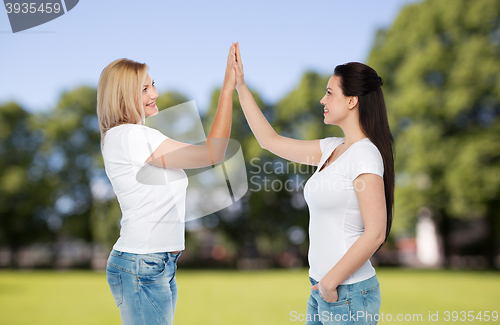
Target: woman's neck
x,y
352,133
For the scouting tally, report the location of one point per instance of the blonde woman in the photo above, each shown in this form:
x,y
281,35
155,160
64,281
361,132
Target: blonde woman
x,y
350,196
141,267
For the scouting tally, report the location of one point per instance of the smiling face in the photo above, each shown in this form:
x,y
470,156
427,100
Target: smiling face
x,y
336,105
149,95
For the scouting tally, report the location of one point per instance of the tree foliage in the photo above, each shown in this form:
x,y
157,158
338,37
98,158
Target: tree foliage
x,y
440,61
441,64
24,186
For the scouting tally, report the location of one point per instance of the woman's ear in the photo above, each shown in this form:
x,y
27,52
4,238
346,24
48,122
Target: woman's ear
x,y
353,102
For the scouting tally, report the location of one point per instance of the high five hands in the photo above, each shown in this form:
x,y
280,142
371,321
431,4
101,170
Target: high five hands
x,y
233,77
230,76
238,67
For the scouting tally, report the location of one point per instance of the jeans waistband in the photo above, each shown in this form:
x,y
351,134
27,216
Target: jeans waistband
x,y
358,286
167,256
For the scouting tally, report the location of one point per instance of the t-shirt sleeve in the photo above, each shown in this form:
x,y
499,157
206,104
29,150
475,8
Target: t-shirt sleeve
x,y
141,142
365,159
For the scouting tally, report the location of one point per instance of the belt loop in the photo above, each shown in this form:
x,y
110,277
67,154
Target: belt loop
x,y
120,253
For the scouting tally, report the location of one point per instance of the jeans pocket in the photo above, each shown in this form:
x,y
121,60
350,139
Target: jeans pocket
x,y
339,302
151,269
115,284
337,312
372,301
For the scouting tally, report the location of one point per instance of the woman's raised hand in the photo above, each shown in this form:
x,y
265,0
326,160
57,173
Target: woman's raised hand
x,y
238,67
230,77
186,156
303,152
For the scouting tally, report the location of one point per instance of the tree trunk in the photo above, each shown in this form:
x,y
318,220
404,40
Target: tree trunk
x,y
444,226
493,221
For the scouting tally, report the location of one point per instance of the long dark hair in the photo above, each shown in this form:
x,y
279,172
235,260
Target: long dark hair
x,y
358,79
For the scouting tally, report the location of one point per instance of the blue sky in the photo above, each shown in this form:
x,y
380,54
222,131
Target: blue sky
x,y
185,44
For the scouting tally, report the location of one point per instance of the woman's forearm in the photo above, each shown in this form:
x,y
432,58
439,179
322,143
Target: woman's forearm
x,y
258,123
218,137
357,255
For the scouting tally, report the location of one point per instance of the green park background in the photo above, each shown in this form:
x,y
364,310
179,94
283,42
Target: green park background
x,y
440,62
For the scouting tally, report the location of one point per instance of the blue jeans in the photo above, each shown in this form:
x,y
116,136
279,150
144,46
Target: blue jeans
x,y
358,303
143,286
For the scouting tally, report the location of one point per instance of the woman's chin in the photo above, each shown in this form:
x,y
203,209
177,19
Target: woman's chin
x,y
328,121
151,112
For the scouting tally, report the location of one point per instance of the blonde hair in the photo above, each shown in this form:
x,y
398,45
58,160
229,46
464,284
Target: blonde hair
x,y
119,96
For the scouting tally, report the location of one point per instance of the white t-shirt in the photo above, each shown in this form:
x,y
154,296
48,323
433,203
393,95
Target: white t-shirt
x,y
152,199
335,219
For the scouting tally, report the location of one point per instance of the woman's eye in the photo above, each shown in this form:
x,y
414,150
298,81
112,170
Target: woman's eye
x,y
153,83
328,93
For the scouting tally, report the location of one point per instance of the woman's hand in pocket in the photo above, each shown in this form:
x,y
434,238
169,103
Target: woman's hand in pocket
x,y
327,295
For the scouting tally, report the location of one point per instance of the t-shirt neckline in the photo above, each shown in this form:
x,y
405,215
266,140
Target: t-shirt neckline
x,y
117,126
320,171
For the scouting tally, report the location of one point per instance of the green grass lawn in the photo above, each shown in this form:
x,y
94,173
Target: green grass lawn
x,y
239,297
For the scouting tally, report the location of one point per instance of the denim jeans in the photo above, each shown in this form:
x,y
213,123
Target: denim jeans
x,y
143,286
358,303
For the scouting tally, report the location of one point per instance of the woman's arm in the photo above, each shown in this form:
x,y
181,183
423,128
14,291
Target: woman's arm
x,y
304,152
175,154
371,197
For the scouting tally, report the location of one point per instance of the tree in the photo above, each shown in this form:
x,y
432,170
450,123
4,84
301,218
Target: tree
x,y
71,146
441,65
24,185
